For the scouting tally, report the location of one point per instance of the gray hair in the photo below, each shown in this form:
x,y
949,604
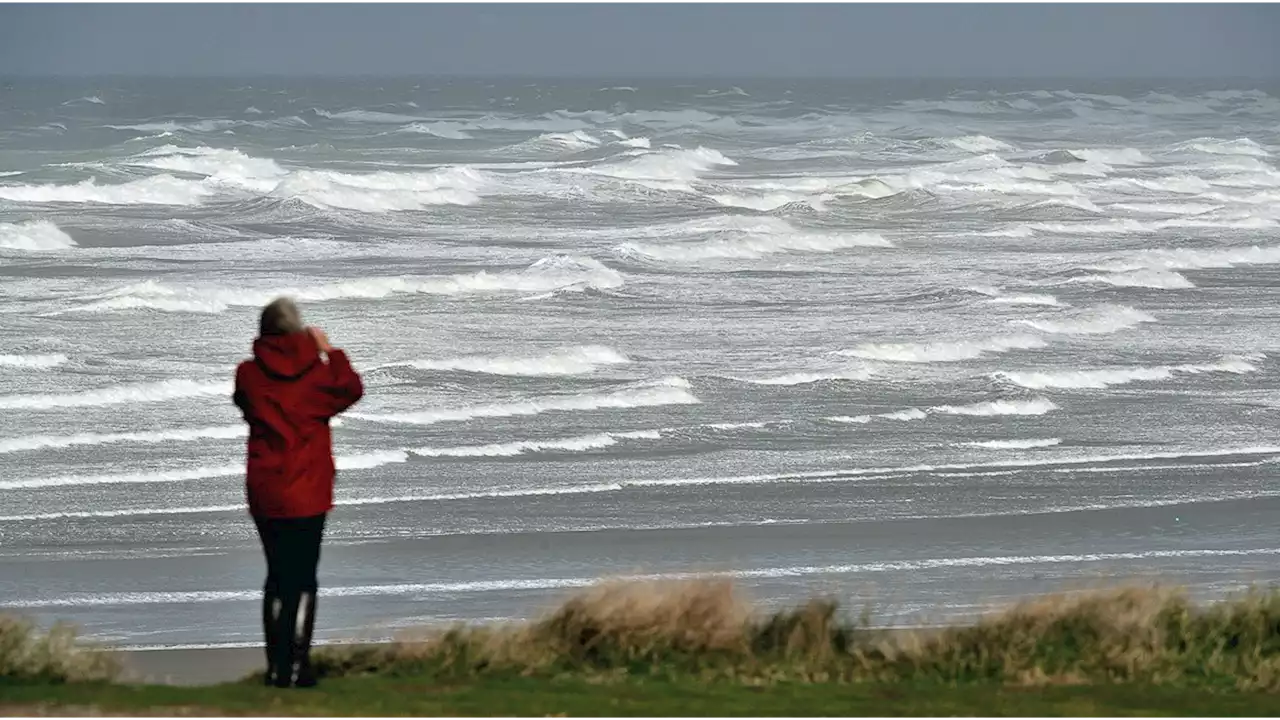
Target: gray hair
x,y
280,317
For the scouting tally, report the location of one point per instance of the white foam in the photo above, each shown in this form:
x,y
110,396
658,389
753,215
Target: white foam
x,y
673,168
42,442
931,352
521,447
1102,320
749,238
1154,279
1104,378
979,144
1192,259
34,236
999,298
578,360
1028,444
552,273
154,190
366,116
162,391
444,130
1216,146
10,173
671,391
992,408
349,462
383,191
637,142
1113,156
1033,406
805,378
33,362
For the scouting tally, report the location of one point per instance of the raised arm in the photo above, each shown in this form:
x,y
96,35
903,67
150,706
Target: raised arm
x,y
340,386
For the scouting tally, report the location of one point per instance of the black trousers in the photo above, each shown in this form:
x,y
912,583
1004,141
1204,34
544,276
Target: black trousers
x,y
292,549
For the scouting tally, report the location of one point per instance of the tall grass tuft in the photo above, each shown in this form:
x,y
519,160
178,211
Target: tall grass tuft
x,y
29,655
706,628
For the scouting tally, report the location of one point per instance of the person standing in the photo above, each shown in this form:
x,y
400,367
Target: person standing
x,y
294,385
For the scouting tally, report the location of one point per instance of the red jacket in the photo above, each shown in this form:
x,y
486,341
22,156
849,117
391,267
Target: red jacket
x,y
288,395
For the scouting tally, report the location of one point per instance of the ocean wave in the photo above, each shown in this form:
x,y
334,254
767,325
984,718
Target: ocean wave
x,y
162,391
750,238
32,362
1101,320
366,116
1193,259
88,99
1113,156
672,168
566,361
10,173
991,408
933,352
642,143
979,144
671,391
34,236
1100,379
1028,444
806,378
155,190
1217,146
998,297
383,191
443,129
1154,279
365,461
575,444
43,442
552,273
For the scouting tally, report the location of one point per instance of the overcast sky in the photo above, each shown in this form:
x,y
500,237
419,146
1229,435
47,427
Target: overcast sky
x,y
645,40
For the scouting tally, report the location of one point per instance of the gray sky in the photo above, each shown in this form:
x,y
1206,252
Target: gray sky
x,y
788,40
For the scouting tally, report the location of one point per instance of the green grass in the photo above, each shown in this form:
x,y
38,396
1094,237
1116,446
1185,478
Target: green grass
x,y
538,697
697,648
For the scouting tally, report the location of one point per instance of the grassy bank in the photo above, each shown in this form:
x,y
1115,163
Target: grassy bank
x,y
699,648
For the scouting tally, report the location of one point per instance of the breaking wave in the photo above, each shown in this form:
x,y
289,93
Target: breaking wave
x,y
154,190
1028,444
32,362
34,236
931,352
1154,279
568,361
1191,259
751,238
521,447
364,461
671,391
553,273
1215,146
1103,320
162,391
1100,379
43,442
991,408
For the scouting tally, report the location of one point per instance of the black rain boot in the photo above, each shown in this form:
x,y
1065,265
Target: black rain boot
x,y
304,675
271,607
286,622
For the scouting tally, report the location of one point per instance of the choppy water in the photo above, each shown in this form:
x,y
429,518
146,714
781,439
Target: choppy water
x,y
923,345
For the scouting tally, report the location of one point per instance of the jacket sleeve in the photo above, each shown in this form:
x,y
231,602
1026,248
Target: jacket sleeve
x,y
340,386
239,397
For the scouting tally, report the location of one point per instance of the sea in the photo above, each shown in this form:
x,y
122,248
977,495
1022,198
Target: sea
x,y
925,347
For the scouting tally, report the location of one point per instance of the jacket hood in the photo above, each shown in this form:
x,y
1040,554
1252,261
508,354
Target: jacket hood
x,y
286,356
